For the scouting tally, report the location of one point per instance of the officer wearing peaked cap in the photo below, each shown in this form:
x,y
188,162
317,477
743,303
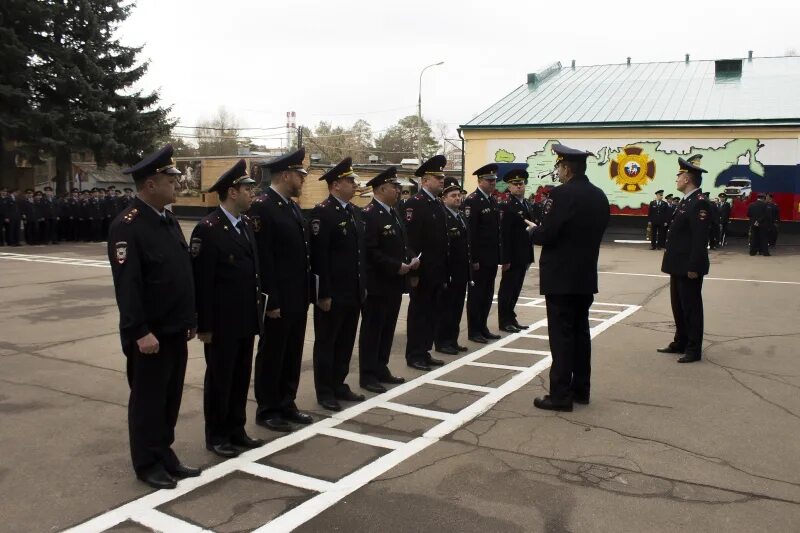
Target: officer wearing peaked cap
x,y
153,281
570,236
516,250
686,261
427,239
282,238
337,262
483,218
658,215
387,263
228,300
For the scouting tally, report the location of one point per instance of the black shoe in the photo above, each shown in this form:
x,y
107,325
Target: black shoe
x,y
508,328
349,396
275,423
392,380
330,404
491,336
581,399
689,359
434,362
671,349
461,348
652,247
480,339
374,386
548,404
225,449
519,326
293,415
419,365
447,350
158,478
182,471
767,254
247,442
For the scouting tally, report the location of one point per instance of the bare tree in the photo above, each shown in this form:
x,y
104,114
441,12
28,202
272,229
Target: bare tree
x,y
219,135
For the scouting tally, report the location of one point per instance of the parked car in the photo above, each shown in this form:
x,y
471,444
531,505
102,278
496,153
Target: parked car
x,y
738,188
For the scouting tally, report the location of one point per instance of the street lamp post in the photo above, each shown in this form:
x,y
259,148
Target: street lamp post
x,y
419,110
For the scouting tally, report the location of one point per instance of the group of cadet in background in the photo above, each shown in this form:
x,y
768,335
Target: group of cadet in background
x,y
41,217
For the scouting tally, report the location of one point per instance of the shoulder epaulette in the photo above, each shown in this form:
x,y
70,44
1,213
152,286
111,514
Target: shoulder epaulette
x,y
245,218
369,208
131,215
419,196
212,220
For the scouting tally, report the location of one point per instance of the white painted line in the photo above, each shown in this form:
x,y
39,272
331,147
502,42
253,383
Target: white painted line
x,y
706,278
378,442
597,319
286,477
611,304
457,385
524,350
71,261
532,336
415,411
602,311
631,241
158,521
499,367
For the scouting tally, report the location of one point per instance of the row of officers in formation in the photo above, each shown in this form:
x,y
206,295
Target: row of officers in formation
x,y
43,218
256,264
763,215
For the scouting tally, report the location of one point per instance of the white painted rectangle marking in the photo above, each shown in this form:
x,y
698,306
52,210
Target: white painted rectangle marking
x,y
287,478
158,521
457,385
378,442
415,411
499,367
533,336
524,350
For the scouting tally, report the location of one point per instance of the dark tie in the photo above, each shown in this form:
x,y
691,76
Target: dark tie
x,y
242,232
296,211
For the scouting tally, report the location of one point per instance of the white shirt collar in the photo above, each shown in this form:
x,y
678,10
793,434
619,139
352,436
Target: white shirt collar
x,y
279,194
343,204
483,193
685,196
429,193
383,205
455,213
233,219
162,214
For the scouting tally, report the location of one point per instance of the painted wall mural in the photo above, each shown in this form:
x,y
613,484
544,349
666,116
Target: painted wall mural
x,y
630,171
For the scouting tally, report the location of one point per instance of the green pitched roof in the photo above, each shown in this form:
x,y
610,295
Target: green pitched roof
x,y
765,92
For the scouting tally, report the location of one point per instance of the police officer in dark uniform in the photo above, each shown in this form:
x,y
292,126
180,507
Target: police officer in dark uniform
x,y
108,203
282,238
10,217
686,261
775,218
29,217
388,261
724,218
95,214
227,295
658,215
483,217
516,249
153,281
52,217
459,267
760,222
338,265
426,228
570,237
713,227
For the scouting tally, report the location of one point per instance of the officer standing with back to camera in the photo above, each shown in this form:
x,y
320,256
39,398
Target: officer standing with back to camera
x,y
686,262
760,226
483,218
153,282
426,228
282,238
338,264
388,262
724,218
570,235
228,300
516,249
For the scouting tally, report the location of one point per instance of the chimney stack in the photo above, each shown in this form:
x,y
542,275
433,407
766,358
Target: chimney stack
x,y
573,63
629,61
687,58
749,55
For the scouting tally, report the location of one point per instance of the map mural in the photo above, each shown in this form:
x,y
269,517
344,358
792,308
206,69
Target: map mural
x,y
630,171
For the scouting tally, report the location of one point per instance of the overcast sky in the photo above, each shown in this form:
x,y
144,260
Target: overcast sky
x,y
340,60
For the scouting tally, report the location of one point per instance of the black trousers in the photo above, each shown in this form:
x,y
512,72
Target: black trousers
x,y
32,231
510,286
423,312
277,370
156,382
11,232
570,344
713,234
773,235
658,236
334,339
723,233
378,322
48,231
229,364
451,307
687,309
479,299
759,239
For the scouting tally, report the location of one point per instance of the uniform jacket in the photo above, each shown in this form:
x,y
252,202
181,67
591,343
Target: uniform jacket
x,y
687,238
282,239
483,216
337,252
724,212
575,219
659,213
427,235
386,249
152,272
458,249
517,245
226,277
758,212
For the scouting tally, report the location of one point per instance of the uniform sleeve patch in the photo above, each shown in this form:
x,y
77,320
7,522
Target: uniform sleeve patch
x,y
548,205
702,214
315,226
196,244
409,214
131,216
256,219
121,248
467,211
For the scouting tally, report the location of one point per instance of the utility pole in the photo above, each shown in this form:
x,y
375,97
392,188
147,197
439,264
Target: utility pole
x,y
419,110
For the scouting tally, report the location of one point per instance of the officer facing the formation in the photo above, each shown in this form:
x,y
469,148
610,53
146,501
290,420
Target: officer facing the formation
x,y
516,249
458,259
686,261
570,236
338,263
426,228
775,218
724,218
483,217
228,299
760,222
388,262
52,217
658,215
153,281
282,238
